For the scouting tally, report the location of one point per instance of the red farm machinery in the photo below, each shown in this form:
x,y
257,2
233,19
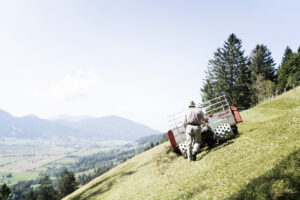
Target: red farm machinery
x,y
221,127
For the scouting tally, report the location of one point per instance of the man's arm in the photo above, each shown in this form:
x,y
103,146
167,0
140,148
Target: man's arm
x,y
202,117
185,121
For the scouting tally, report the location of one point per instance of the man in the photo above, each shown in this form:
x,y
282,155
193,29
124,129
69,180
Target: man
x,y
192,121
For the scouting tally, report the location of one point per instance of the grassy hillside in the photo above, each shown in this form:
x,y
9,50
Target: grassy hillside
x,y
263,163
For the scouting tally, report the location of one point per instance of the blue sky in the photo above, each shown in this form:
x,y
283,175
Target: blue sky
x,y
141,60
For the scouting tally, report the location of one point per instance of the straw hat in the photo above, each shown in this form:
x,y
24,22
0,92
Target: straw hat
x,y
192,104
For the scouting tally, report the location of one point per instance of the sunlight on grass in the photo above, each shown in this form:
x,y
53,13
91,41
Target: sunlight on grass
x,y
262,157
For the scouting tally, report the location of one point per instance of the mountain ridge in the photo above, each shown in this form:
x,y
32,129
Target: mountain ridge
x,y
103,128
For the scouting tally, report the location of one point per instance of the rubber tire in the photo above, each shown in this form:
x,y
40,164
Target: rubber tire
x,y
235,130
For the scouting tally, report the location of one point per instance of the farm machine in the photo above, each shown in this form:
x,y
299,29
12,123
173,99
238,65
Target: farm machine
x,y
220,127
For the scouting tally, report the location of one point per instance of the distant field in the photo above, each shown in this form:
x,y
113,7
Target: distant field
x,y
65,160
25,161
22,158
89,151
15,177
14,141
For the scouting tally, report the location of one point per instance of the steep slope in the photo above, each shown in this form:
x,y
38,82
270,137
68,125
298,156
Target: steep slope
x,y
263,163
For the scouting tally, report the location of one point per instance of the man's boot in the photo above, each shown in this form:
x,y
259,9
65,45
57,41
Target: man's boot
x,y
194,157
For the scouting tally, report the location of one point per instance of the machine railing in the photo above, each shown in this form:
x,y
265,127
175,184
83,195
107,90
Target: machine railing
x,y
176,120
214,105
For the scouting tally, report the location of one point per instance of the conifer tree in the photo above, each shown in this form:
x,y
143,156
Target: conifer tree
x,y
287,54
262,71
293,66
67,184
262,63
46,191
289,67
31,195
207,90
228,74
5,192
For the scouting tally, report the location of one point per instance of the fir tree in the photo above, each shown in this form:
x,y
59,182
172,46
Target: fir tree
x,y
293,65
67,184
262,63
207,90
287,54
289,67
31,195
262,70
228,74
5,192
46,191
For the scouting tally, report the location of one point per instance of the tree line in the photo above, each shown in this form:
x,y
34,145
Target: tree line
x,y
57,182
46,191
247,80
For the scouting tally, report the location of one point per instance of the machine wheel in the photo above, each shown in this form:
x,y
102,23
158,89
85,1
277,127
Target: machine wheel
x,y
177,151
235,130
208,138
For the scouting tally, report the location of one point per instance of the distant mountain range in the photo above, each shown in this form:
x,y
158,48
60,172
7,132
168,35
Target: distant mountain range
x,y
67,127
71,118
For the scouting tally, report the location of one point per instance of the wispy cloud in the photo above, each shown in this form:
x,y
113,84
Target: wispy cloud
x,y
72,86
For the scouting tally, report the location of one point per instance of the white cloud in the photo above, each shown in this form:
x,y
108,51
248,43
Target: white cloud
x,y
72,86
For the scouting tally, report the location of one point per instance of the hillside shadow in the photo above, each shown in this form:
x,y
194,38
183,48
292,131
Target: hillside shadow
x,y
281,182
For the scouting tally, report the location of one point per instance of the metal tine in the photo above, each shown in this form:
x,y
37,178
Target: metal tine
x,y
176,113
216,98
179,117
179,122
176,127
218,103
176,120
223,106
175,124
215,109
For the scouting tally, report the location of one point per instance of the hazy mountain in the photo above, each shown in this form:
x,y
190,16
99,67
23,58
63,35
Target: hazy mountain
x,y
103,128
71,118
110,127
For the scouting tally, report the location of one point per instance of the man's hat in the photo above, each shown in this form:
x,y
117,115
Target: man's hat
x,y
192,104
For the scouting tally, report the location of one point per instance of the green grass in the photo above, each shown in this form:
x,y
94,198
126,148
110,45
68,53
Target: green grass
x,y
281,182
262,163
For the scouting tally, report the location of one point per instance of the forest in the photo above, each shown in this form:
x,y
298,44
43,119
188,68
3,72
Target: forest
x,y
249,79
